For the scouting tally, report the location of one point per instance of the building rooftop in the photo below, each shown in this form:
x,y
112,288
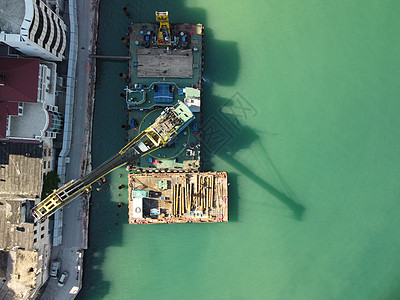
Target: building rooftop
x,y
20,170
12,14
34,120
20,185
21,77
19,268
14,230
21,258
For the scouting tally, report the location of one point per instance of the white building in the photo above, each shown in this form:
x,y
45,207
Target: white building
x,y
31,27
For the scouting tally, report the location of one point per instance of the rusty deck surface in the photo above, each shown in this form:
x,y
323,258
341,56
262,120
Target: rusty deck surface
x,y
166,64
178,197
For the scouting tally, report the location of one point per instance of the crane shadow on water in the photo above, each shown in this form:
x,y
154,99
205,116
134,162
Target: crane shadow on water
x,y
224,134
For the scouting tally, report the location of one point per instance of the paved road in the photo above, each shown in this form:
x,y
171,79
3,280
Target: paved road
x,y
72,229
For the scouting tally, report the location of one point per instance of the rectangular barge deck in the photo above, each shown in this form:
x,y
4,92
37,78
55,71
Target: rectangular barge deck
x,y
178,197
160,76
166,186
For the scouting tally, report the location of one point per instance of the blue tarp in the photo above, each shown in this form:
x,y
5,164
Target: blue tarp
x,y
163,94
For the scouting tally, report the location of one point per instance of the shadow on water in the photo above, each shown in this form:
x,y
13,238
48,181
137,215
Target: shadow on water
x,y
224,134
233,197
295,207
221,58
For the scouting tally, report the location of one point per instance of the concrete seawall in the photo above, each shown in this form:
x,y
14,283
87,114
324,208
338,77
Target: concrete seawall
x,y
86,165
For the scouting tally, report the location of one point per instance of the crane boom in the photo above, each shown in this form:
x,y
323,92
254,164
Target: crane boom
x,y
167,126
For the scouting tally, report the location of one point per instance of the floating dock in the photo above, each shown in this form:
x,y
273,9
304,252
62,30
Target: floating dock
x,y
163,71
166,68
178,197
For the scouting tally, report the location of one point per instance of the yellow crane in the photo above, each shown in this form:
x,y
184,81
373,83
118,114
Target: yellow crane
x,y
164,32
167,126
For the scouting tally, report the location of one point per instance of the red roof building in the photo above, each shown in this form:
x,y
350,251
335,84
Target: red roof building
x,y
18,83
27,99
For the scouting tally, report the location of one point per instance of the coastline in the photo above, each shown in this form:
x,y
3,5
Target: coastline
x,y
76,158
86,164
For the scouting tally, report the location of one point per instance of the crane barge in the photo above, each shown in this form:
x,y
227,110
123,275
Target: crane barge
x,y
165,128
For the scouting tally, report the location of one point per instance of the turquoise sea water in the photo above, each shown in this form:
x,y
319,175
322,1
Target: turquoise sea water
x,y
301,108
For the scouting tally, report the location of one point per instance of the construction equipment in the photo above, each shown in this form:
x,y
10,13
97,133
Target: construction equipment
x,y
168,125
164,32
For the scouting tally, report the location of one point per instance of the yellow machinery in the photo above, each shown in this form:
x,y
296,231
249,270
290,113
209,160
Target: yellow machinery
x,y
166,127
164,32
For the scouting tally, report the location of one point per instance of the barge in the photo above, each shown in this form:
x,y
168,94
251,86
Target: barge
x,y
178,197
167,186
165,67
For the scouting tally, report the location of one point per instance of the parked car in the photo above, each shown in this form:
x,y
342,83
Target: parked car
x,y
63,278
55,268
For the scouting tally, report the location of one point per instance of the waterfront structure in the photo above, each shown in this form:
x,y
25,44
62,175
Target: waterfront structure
x,y
166,187
166,66
33,28
28,111
24,244
178,197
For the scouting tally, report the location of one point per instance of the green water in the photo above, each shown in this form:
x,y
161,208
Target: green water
x,y
301,108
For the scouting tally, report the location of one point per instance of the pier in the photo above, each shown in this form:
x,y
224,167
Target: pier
x,y
126,57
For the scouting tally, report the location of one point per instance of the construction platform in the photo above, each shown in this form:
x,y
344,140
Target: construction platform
x,y
149,61
166,186
160,76
178,197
